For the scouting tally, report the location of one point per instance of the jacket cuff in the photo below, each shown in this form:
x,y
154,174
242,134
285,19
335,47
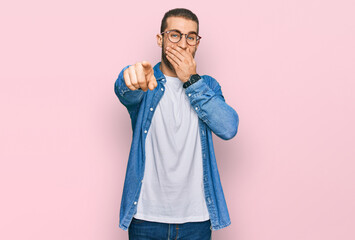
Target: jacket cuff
x,y
198,94
198,88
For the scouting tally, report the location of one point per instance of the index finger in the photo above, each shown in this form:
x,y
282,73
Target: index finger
x,y
146,64
141,79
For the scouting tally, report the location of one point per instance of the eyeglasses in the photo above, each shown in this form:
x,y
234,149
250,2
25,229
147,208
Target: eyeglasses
x,y
175,36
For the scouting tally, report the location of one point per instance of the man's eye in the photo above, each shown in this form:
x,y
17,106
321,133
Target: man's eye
x,y
174,35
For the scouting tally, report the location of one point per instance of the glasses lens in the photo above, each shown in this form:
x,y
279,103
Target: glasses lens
x,y
174,36
192,38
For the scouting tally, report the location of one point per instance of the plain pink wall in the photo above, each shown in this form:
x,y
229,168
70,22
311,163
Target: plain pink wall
x,y
287,67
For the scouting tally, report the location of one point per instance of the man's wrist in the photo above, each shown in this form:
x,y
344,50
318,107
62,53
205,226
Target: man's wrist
x,y
193,78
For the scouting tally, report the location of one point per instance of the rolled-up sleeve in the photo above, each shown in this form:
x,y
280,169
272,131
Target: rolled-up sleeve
x,y
211,107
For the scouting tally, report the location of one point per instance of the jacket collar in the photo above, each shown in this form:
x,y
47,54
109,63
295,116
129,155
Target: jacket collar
x,y
157,72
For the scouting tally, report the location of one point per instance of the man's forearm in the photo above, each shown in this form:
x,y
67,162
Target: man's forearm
x,y
210,106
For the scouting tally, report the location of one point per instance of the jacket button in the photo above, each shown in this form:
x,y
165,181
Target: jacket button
x,y
196,108
162,89
135,203
189,94
145,131
151,109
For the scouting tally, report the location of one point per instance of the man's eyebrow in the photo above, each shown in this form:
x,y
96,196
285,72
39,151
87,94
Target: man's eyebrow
x,y
180,31
174,30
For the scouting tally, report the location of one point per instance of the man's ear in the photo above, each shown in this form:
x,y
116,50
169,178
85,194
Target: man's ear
x,y
160,40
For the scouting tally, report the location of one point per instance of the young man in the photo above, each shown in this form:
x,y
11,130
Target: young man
x,y
172,187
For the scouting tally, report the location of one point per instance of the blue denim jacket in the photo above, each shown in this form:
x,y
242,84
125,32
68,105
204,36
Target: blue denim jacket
x,y
214,115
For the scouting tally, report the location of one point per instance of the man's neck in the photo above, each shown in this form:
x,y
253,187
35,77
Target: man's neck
x,y
167,71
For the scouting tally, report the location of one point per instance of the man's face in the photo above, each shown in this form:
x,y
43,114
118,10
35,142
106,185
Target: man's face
x,y
184,26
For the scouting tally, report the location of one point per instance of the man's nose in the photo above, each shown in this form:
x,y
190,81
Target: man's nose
x,y
182,43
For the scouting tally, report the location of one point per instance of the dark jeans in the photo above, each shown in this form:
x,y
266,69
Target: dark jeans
x,y
147,230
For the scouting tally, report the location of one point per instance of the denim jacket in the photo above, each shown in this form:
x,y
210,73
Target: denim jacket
x,y
215,115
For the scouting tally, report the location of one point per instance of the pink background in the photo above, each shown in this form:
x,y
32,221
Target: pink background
x,y
287,67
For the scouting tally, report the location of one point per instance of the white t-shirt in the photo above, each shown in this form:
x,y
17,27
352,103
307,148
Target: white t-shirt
x,y
172,189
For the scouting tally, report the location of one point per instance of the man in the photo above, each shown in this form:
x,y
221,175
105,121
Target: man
x,y
172,187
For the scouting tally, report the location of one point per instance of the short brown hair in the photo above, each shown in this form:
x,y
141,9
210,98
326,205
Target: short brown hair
x,y
178,12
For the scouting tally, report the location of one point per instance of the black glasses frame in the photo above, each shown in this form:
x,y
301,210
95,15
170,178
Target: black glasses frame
x,y
186,34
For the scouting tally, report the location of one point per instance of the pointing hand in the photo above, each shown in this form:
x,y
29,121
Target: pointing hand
x,y
140,75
